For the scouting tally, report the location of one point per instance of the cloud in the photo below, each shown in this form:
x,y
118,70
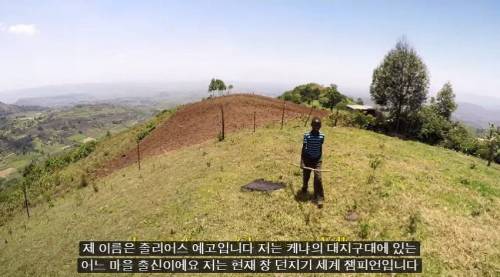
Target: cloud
x,y
19,29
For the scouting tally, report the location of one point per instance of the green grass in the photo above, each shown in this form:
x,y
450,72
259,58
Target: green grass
x,y
69,178
194,193
77,137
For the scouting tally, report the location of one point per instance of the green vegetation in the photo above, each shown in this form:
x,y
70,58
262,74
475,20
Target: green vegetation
x,y
400,84
63,172
146,131
316,95
445,101
27,135
217,85
418,192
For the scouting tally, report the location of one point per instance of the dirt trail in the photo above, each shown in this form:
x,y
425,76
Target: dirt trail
x,y
6,172
197,122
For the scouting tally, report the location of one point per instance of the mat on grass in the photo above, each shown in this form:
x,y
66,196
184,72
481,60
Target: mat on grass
x,y
262,185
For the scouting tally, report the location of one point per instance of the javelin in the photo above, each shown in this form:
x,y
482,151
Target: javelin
x,y
313,169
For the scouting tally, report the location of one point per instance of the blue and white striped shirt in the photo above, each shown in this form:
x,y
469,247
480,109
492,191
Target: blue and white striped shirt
x,y
313,142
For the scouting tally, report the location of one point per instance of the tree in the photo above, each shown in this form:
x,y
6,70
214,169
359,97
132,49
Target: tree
x,y
229,88
220,86
216,85
330,97
291,96
212,87
433,127
310,92
459,138
400,83
445,101
359,101
327,97
493,142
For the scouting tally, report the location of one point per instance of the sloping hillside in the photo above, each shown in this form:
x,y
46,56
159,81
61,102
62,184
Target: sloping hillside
x,y
200,121
449,201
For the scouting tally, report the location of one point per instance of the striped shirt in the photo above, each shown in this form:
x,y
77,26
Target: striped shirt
x,y
313,142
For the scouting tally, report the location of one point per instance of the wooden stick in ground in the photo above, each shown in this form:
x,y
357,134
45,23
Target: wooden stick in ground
x,y
310,168
138,155
26,203
222,113
309,115
283,113
254,121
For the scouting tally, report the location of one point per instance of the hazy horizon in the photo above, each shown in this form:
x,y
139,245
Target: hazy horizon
x,y
275,42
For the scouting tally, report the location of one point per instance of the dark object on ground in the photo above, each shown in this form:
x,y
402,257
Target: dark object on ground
x,y
263,185
351,216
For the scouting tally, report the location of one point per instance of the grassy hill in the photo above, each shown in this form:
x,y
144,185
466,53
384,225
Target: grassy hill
x,y
449,201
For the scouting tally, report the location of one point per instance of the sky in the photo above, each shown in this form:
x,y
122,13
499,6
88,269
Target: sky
x,y
292,42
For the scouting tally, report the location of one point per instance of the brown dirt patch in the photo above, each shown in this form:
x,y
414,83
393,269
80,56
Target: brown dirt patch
x,y
6,172
198,122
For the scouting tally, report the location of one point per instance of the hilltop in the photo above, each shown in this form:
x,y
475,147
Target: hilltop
x,y
201,121
189,188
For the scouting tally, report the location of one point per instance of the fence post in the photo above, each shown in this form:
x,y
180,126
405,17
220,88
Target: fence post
x,y
26,203
138,155
222,113
254,121
309,115
283,113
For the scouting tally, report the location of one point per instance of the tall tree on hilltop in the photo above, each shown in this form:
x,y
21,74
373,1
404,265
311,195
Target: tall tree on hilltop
x,y
216,85
212,87
400,83
221,86
445,101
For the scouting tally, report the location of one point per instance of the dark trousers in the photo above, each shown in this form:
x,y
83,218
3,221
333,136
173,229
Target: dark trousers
x,y
306,173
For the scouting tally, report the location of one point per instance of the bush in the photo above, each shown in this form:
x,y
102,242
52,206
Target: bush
x,y
432,127
362,120
364,230
460,139
309,93
351,119
340,118
291,96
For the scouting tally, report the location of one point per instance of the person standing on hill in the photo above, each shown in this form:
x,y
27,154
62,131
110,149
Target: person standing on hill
x,y
311,159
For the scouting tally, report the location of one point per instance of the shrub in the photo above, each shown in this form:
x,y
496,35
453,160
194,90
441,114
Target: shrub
x,y
364,230
432,127
415,220
362,120
460,139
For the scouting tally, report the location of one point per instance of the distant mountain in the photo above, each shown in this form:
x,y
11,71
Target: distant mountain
x,y
57,101
8,109
489,102
127,92
476,115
